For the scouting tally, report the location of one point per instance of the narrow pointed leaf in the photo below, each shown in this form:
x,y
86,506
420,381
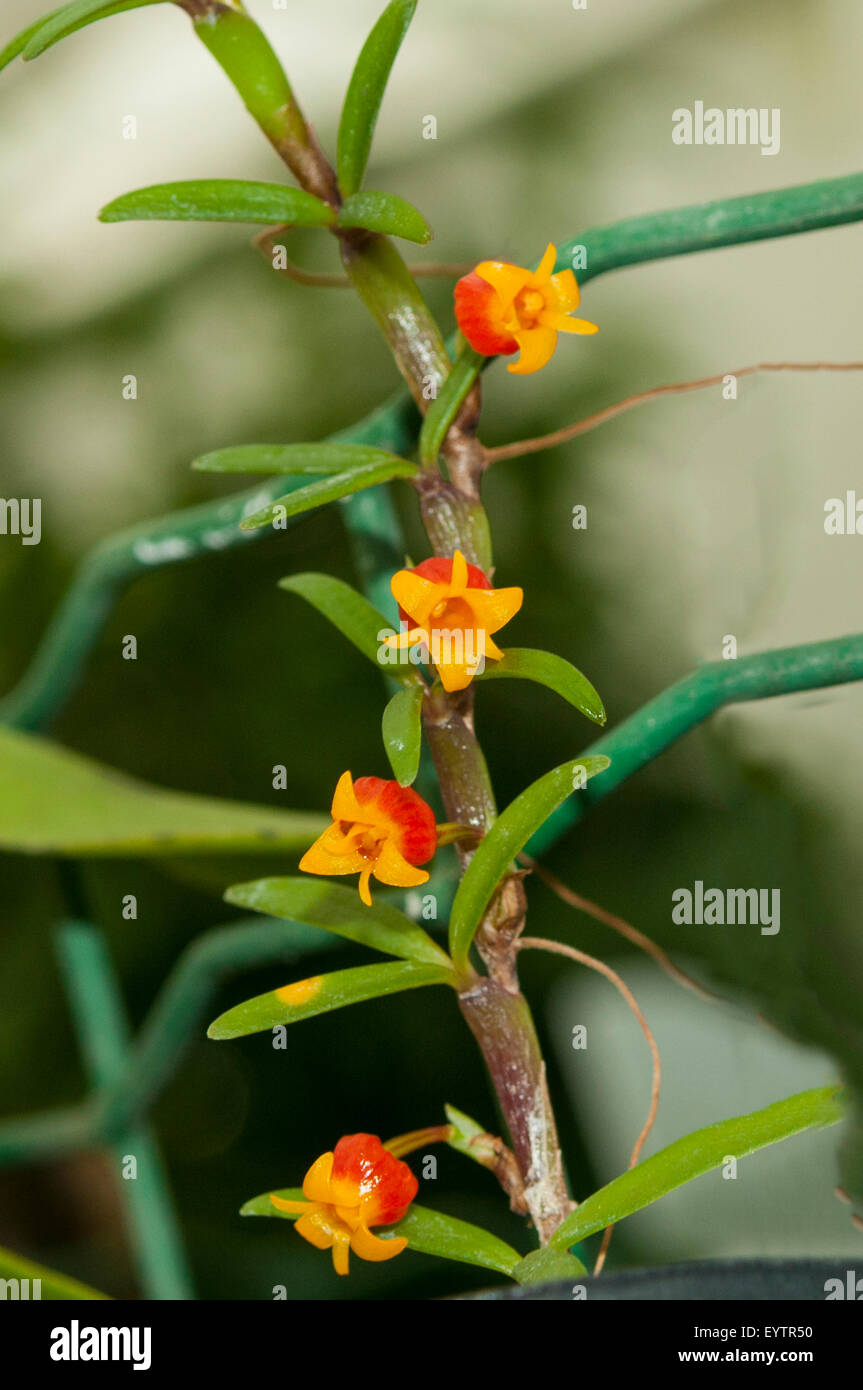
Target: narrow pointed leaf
x,y
52,1285
545,1266
53,801
696,1154
59,23
291,458
434,1233
402,731
322,993
427,1232
386,213
220,200
507,837
353,615
366,92
333,908
552,671
448,402
15,47
330,489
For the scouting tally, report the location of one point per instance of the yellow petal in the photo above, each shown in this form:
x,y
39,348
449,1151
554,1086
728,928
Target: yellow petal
x,y
349,1215
404,640
322,860
542,274
492,650
341,1258
345,805
284,1205
537,346
370,1247
392,868
316,1184
365,891
417,596
562,323
506,279
316,1233
562,292
459,575
494,607
455,675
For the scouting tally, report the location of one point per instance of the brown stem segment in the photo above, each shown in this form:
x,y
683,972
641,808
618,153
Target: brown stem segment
x,y
493,1006
502,1024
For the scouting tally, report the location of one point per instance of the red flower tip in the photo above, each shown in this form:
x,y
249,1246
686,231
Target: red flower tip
x,y
385,1185
413,818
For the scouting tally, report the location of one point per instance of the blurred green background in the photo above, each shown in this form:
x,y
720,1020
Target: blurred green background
x,y
705,518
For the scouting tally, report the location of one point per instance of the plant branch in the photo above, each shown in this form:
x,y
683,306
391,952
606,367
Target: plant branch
x,y
558,948
678,388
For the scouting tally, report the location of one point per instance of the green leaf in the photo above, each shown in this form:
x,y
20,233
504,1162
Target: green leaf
x,y
464,1129
57,24
353,615
402,731
434,1233
506,838
334,908
52,1285
53,801
427,1232
320,994
696,1154
448,403
545,1266
547,669
330,489
366,91
291,458
16,46
220,200
470,1138
387,213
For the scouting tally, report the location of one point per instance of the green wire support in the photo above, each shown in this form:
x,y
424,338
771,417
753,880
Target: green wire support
x,y
107,570
103,1035
128,1080
665,719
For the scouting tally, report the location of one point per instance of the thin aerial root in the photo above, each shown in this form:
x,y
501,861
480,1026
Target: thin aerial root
x,y
617,924
679,388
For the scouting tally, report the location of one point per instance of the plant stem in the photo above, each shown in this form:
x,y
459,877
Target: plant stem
x,y
501,1022
393,297
454,517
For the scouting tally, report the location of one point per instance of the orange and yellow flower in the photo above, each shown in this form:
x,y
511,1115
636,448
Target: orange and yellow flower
x,y
501,308
358,1185
452,610
378,828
